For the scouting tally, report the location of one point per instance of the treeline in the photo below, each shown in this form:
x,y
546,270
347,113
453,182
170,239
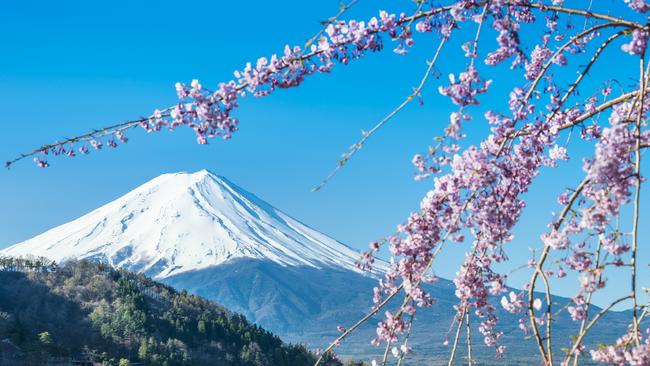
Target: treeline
x,y
111,317
26,264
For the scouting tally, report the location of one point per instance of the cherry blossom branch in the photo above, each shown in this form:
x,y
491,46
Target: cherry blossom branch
x,y
547,353
583,322
584,73
587,115
367,135
284,64
578,80
400,287
539,268
554,57
356,325
545,68
601,108
105,131
593,322
119,128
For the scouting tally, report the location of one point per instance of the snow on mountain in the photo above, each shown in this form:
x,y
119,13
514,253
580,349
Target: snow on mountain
x,y
187,221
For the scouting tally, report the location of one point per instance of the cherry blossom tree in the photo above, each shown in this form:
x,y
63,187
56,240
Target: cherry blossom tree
x,y
476,194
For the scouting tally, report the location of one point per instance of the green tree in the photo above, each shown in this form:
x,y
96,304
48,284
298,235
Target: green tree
x,y
128,321
46,342
143,351
201,326
45,339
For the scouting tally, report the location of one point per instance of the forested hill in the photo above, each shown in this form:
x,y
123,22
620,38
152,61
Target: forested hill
x,y
89,311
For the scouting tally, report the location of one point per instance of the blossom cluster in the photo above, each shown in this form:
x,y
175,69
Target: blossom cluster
x,y
624,351
641,6
638,44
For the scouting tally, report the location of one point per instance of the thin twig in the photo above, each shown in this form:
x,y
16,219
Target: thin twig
x,y
469,340
406,341
549,62
637,198
593,322
385,356
547,353
366,135
584,73
347,332
344,8
461,320
584,13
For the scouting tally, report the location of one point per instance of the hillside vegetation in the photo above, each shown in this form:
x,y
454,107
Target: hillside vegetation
x,y
89,311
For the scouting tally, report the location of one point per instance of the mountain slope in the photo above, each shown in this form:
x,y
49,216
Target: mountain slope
x,y
305,305
184,222
90,311
282,298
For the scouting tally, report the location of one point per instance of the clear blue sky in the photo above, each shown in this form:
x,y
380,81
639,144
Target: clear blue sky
x,y
68,67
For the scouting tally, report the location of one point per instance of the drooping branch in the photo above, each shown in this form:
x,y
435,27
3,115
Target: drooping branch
x,y
637,197
546,351
558,52
583,323
461,320
593,322
356,325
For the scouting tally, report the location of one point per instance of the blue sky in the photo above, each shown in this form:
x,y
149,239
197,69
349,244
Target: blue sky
x,y
73,66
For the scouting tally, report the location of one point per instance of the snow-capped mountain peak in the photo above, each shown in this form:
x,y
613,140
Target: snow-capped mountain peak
x,y
187,221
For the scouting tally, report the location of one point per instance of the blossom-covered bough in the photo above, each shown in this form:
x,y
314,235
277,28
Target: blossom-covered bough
x,y
477,191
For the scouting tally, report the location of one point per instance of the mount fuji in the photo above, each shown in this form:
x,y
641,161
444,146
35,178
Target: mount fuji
x,y
185,222
202,233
